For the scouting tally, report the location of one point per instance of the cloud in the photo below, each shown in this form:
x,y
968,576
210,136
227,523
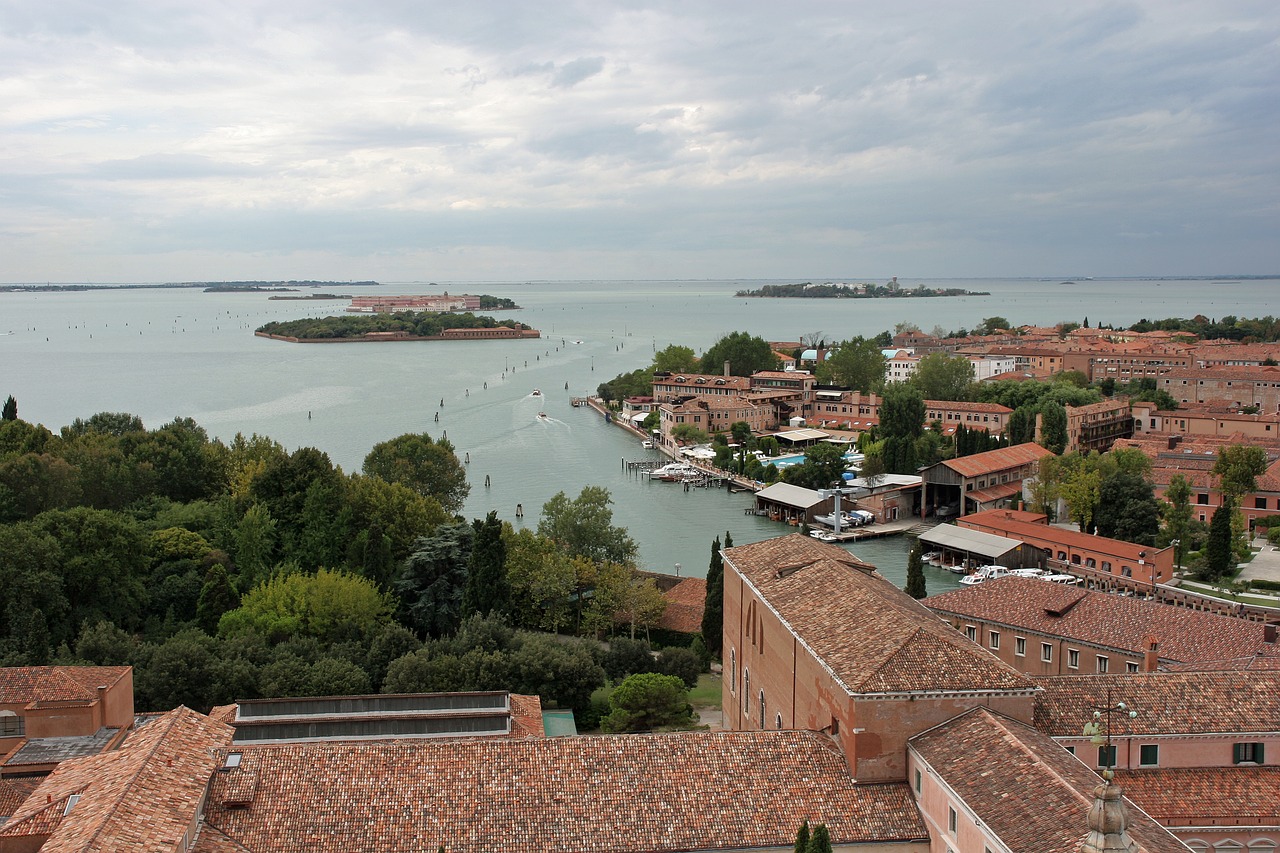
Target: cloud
x,y
575,71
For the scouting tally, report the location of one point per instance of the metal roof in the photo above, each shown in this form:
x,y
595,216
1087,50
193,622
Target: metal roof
x,y
969,541
785,493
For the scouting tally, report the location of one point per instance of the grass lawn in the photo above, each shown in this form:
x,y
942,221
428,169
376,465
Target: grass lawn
x,y
707,693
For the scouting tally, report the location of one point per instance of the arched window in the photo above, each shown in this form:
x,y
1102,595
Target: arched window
x,y
778,720
762,714
733,670
746,692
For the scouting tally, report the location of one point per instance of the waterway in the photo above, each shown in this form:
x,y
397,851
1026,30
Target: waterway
x,y
166,353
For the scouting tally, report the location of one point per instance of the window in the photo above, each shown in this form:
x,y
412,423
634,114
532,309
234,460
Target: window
x,y
919,780
12,725
233,760
778,721
1046,652
1020,646
971,632
1073,658
1247,753
1259,503
1148,755
952,820
993,639
1106,566
1103,663
1107,756
1131,666
746,692
1062,555
733,670
1202,498
1071,749
1090,563
762,716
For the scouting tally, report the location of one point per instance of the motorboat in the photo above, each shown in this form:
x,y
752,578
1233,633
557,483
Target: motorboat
x,y
824,535
542,416
1065,580
674,471
933,558
646,444
1029,573
984,574
535,393
846,520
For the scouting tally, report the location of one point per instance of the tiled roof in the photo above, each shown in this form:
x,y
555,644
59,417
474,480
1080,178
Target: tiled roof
x,y
143,796
526,716
672,792
56,683
1207,795
1015,527
873,637
961,406
12,794
1166,702
1111,621
685,604
997,460
1026,789
211,840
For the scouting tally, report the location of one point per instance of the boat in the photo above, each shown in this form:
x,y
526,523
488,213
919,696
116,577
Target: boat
x,y
933,558
646,444
846,520
824,535
674,471
1029,573
542,416
535,393
1065,580
984,574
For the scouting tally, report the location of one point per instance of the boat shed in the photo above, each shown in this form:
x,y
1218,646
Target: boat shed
x,y
792,504
958,544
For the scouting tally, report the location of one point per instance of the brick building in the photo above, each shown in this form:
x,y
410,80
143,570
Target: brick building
x,y
1240,385
980,481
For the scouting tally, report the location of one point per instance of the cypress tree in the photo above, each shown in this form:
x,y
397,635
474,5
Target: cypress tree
x,y
487,589
820,841
217,596
10,412
915,573
728,540
1217,549
802,838
713,609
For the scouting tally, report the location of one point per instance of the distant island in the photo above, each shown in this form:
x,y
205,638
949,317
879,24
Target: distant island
x,y
312,296
400,326
207,286
829,290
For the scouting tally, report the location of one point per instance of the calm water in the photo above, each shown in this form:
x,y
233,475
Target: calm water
x,y
166,353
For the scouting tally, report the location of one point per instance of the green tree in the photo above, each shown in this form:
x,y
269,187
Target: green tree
x,y
1177,515
1053,426
915,572
10,411
103,644
1079,487
433,583
627,656
901,423
713,610
824,465
398,512
542,579
1238,468
1044,488
186,466
675,359
1219,555
103,561
857,363
427,466
943,376
991,325
648,701
217,596
746,354
1128,509
487,589
255,538
34,482
802,838
688,434
820,842
331,606
584,527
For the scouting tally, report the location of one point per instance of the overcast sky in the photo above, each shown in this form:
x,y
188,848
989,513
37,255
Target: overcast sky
x,y
486,140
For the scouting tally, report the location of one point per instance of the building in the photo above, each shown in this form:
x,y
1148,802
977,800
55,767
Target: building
x,y
51,713
1243,386
980,481
792,504
1049,629
387,304
1110,563
1098,425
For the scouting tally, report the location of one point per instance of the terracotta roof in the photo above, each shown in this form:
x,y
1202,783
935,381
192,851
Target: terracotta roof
x,y
1006,524
56,683
211,840
997,460
1028,791
685,604
526,716
143,796
1167,702
672,792
873,637
12,794
962,406
1206,795
1099,618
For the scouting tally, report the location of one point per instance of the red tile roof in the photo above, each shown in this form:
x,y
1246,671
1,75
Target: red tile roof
x,y
12,794
1213,796
56,683
1105,620
1167,703
685,604
143,796
997,460
1027,790
526,716
1014,527
874,638
672,792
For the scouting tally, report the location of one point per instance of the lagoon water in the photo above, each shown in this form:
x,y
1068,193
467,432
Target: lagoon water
x,y
166,353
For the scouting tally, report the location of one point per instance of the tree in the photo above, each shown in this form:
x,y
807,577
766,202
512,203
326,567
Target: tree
x,y
584,527
675,359
1128,509
820,842
942,376
688,434
682,663
627,656
10,411
915,572
1219,555
901,423
1238,468
857,363
802,838
713,609
746,354
1177,515
487,589
255,539
648,701
542,580
824,464
217,596
397,511
991,325
427,466
1079,489
103,560
433,582
331,606
873,470
1053,426
1043,488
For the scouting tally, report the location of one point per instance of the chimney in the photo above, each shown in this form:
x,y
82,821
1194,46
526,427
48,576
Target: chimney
x,y
726,368
1108,823
1150,655
1269,632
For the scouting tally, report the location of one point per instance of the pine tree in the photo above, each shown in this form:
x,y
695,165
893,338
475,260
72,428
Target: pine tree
x,y
10,412
713,609
802,838
915,573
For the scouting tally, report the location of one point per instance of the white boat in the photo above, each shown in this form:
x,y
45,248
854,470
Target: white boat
x,y
674,471
542,416
1029,573
824,535
535,393
647,445
1065,580
933,558
846,520
984,574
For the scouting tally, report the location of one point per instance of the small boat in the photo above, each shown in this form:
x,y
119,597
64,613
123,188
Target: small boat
x,y
647,445
983,574
542,416
1029,573
823,535
673,471
535,393
933,558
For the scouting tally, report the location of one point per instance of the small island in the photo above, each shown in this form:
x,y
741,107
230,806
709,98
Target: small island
x,y
399,326
840,290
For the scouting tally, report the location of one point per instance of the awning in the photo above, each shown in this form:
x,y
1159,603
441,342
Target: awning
x,y
969,541
801,435
995,493
789,495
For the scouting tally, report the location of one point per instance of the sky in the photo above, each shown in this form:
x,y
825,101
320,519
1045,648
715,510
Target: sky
x,y
169,140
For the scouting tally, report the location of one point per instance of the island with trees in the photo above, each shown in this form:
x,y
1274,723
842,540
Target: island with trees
x,y
841,290
398,326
